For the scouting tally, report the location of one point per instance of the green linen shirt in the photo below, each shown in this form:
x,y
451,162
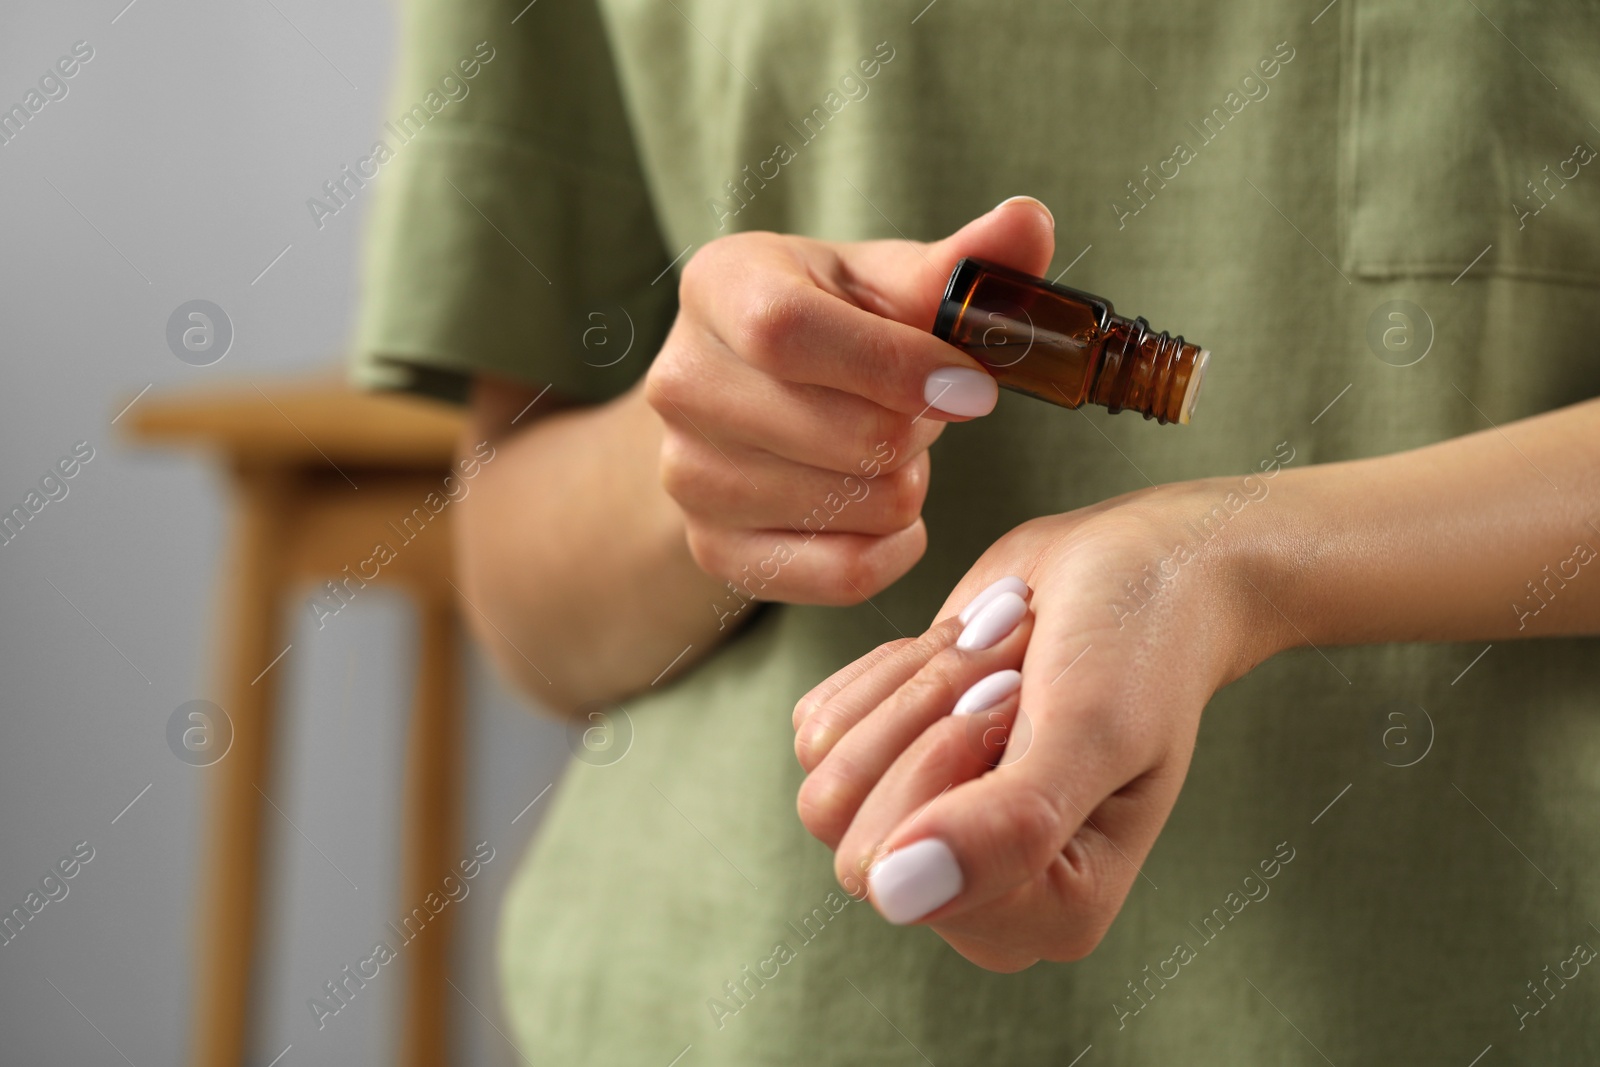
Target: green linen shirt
x,y
1383,218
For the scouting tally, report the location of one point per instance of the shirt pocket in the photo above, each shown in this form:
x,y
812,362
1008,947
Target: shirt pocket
x,y
1467,139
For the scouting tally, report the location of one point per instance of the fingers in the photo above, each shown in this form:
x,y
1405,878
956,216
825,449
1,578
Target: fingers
x,y
859,688
908,656
1063,912
831,686
870,680
795,332
904,281
793,360
831,719
848,751
1036,855
707,394
948,752
757,491
836,569
856,317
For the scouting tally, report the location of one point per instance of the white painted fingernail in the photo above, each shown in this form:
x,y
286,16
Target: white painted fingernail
x,y
1009,584
910,882
987,692
989,626
961,391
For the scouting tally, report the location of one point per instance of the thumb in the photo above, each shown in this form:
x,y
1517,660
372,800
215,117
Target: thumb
x,y
904,280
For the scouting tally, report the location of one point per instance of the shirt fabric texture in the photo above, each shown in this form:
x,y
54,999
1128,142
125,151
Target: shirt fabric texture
x,y
1262,177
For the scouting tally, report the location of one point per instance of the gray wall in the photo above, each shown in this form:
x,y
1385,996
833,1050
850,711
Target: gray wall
x,y
187,147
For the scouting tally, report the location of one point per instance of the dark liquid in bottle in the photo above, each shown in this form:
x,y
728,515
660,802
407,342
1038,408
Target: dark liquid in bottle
x,y
1066,346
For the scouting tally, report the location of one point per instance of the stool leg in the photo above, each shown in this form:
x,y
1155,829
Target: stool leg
x,y
253,635
433,805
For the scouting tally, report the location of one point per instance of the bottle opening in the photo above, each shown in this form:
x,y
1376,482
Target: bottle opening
x,y
1192,392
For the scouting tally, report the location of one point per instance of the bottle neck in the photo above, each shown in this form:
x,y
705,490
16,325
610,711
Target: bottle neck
x,y
1155,374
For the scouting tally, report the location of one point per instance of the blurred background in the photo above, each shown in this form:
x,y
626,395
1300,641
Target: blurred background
x,y
177,167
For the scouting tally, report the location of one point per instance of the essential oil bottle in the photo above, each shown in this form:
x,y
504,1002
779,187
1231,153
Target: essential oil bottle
x,y
1067,347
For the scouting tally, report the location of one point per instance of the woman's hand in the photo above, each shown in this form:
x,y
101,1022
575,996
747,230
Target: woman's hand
x,y
1016,835
800,389
1120,645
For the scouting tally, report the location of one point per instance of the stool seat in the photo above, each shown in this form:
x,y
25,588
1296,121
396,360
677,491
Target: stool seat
x,y
302,420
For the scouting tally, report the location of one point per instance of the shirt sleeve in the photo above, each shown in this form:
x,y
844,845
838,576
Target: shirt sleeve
x,y
512,230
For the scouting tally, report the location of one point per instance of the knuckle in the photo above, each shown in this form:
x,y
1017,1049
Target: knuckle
x,y
860,577
1089,892
821,698
698,273
823,806
709,550
880,359
937,638
767,324
888,442
935,682
872,566
904,493
937,754
656,386
666,382
1036,825
680,472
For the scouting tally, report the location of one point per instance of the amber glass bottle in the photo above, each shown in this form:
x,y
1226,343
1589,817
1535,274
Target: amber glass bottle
x,y
1067,347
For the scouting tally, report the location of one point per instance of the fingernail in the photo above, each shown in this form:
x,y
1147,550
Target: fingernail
x,y
910,882
961,391
1032,199
987,692
1009,584
998,618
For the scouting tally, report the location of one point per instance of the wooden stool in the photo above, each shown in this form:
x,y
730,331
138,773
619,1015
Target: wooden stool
x,y
318,470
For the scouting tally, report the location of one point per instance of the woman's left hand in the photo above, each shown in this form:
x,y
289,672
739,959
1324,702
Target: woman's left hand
x,y
1017,838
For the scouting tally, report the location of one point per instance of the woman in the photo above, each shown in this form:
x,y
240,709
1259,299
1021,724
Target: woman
x,y
680,261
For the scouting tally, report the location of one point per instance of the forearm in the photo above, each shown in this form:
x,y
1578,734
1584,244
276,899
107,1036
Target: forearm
x,y
1486,537
572,558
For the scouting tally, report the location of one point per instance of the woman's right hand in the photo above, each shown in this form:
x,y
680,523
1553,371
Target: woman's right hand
x,y
800,389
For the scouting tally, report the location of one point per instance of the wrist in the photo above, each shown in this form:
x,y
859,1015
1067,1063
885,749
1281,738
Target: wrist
x,y
1259,567
1240,534
1298,547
